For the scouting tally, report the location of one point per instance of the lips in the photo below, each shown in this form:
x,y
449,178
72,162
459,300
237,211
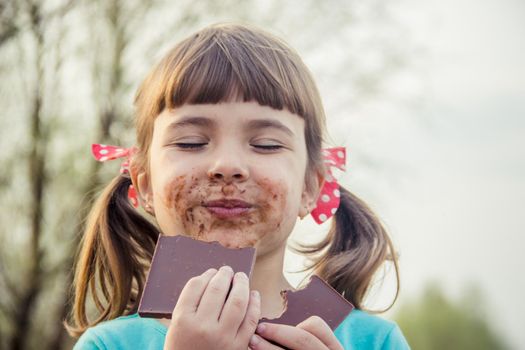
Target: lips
x,y
228,203
228,208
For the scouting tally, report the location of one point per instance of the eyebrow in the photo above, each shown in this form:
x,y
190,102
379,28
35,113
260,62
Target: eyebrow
x,y
210,123
193,121
269,123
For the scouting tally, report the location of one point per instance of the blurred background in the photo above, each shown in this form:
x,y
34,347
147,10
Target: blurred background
x,y
427,96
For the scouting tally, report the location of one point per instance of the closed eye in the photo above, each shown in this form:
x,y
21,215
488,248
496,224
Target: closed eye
x,y
268,147
190,145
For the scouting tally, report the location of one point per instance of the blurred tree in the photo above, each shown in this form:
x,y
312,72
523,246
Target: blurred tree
x,y
35,20
8,17
436,322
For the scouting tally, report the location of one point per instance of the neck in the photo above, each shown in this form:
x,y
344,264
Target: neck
x,y
269,283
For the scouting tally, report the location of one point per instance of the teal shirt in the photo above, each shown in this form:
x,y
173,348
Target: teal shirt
x,y
358,331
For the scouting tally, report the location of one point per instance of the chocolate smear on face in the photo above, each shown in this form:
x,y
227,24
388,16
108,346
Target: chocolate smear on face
x,y
174,192
274,203
187,196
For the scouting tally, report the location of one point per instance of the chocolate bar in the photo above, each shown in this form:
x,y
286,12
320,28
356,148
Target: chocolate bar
x,y
317,298
177,259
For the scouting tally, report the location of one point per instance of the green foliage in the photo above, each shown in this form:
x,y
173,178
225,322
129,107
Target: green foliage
x,y
436,322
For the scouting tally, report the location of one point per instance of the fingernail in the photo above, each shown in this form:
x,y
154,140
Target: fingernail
x,y
211,271
254,340
256,295
241,275
261,327
227,268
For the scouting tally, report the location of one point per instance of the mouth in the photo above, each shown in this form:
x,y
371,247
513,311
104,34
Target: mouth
x,y
228,208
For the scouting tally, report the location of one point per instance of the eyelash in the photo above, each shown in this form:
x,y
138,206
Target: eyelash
x,y
190,145
268,147
199,145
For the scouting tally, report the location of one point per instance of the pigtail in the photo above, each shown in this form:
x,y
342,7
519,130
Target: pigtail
x,y
116,249
357,244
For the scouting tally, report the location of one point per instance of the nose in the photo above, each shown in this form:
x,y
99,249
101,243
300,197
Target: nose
x,y
228,167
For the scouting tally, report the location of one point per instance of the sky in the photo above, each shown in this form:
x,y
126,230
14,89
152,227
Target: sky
x,y
452,191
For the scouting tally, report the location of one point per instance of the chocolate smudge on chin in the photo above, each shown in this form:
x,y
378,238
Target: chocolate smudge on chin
x,y
189,215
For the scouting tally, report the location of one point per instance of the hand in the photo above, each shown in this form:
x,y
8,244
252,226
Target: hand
x,y
204,319
312,333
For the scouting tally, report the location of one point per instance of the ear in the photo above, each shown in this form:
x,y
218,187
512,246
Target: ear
x,y
313,184
142,185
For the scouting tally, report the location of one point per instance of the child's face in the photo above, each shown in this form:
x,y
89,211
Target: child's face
x,y
230,172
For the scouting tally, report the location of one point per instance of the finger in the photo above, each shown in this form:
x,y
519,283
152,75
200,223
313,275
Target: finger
x,y
318,327
289,336
251,319
192,292
235,307
214,296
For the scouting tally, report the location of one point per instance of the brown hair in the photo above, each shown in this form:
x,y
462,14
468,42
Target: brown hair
x,y
219,63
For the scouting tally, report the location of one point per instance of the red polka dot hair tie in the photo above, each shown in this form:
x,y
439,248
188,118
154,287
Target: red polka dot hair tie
x,y
329,198
103,153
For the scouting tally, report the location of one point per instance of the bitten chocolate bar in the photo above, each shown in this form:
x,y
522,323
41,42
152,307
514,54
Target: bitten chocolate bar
x,y
317,298
177,259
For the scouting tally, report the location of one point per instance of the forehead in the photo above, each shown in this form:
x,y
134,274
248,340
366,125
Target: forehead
x,y
231,115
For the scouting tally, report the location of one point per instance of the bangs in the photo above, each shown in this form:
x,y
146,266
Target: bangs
x,y
220,66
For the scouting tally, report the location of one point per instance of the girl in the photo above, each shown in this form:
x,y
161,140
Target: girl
x,y
230,128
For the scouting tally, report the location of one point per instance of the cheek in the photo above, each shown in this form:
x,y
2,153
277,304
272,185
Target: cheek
x,y
273,201
182,199
281,206
173,192
182,193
